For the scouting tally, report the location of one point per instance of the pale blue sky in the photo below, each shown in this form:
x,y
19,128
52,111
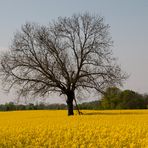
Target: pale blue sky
x,y
128,20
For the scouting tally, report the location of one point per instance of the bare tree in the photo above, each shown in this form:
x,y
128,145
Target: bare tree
x,y
70,54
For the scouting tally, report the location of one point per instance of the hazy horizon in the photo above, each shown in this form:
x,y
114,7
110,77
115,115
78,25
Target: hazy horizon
x,y
128,20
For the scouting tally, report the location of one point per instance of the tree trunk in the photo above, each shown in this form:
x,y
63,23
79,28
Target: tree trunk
x,y
70,98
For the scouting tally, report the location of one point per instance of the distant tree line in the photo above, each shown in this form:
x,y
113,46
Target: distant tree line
x,y
113,98
41,106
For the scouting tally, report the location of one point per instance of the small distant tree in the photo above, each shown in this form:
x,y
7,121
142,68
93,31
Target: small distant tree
x,y
70,55
129,99
10,106
110,98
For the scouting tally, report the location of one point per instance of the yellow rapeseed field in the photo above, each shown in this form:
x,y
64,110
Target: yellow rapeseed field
x,y
54,129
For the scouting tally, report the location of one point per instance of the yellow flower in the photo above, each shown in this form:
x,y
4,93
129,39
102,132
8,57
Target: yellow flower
x,y
54,129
